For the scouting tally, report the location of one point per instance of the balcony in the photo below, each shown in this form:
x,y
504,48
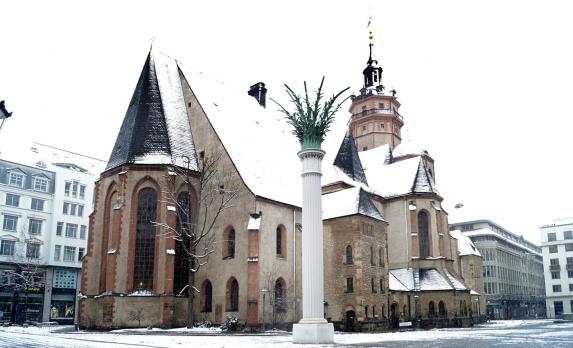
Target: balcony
x,y
368,112
556,267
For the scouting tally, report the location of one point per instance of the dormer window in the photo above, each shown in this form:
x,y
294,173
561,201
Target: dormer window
x,y
16,179
41,184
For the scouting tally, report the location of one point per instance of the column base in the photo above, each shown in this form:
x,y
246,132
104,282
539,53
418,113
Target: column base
x,y
313,333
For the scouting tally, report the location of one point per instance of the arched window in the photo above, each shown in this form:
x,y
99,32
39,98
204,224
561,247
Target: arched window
x,y
348,255
280,295
431,309
207,296
423,234
281,241
442,309
229,243
145,239
232,295
182,244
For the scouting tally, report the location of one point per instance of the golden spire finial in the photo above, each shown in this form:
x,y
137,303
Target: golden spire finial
x,y
370,36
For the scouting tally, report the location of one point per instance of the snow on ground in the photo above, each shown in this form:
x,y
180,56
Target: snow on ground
x,y
531,333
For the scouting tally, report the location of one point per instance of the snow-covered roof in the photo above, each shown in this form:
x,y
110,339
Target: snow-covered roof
x,y
398,178
50,158
394,283
488,232
413,279
432,280
455,282
404,277
156,128
258,140
352,201
465,245
406,148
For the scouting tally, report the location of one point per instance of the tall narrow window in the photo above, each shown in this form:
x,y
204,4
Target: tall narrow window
x,y
145,239
207,296
280,295
442,309
230,244
372,255
431,309
423,234
279,243
181,264
348,255
232,295
381,257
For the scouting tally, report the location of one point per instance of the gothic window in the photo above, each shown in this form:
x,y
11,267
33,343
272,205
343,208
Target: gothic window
x,y
232,295
207,296
442,309
423,234
181,264
431,309
280,295
348,255
145,239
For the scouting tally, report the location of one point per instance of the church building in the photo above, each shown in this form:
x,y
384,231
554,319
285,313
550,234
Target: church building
x,y
388,255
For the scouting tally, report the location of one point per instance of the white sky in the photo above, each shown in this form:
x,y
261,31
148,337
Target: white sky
x,y
485,86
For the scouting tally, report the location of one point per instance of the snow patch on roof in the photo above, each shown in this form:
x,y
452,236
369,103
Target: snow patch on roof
x,y
432,280
348,202
259,140
405,276
457,284
465,244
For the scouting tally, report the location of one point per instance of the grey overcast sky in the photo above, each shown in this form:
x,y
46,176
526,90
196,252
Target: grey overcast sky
x,y
485,86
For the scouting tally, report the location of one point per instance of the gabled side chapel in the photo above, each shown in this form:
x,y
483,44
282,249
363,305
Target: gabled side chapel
x,y
388,254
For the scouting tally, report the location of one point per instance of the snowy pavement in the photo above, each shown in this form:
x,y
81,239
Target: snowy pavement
x,y
516,333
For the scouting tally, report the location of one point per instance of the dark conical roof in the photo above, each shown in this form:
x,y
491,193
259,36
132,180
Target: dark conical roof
x,y
348,161
366,207
423,182
156,128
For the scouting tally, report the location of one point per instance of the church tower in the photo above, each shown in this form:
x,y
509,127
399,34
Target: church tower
x,y
375,120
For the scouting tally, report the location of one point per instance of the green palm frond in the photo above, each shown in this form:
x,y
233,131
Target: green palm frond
x,y
311,120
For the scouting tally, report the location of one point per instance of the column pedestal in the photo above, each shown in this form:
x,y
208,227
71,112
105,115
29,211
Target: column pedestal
x,y
312,328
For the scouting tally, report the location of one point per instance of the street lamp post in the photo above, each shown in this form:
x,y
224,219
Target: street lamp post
x,y
264,291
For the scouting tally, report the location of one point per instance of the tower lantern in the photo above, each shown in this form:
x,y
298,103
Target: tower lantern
x,y
375,120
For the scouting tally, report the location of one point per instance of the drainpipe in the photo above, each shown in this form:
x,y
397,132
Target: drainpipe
x,y
406,215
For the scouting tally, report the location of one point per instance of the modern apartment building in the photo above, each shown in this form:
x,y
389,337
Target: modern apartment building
x,y
557,247
512,270
46,196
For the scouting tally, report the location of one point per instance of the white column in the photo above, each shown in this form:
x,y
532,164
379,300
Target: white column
x,y
312,328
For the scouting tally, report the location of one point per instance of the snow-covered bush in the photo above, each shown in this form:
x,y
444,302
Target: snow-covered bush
x,y
230,324
203,324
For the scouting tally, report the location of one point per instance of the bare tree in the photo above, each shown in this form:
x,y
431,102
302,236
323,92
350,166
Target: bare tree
x,y
137,315
215,189
279,299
